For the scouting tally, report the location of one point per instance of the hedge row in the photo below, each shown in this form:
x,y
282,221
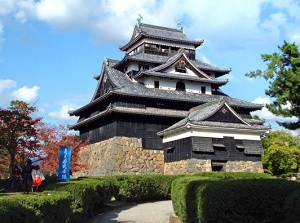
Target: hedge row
x,y
203,197
144,187
197,200
87,196
46,207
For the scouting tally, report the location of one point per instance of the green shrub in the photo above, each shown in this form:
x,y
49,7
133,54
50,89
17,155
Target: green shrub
x,y
184,196
49,180
3,184
231,197
144,187
257,200
46,207
234,175
88,195
292,206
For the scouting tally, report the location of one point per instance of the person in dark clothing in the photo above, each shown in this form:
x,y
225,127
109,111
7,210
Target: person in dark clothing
x,y
26,175
15,171
14,182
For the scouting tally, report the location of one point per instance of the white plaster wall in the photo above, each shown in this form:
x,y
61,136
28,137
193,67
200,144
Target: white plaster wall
x,y
132,66
165,84
214,133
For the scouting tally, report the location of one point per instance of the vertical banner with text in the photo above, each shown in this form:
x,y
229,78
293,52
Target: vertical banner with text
x,y
64,163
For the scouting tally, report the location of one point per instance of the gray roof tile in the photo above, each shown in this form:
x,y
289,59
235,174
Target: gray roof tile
x,y
156,59
198,115
159,32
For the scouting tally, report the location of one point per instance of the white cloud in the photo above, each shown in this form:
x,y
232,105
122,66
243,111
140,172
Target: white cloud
x,y
26,94
6,84
237,22
261,100
7,7
8,92
61,115
63,14
265,114
1,33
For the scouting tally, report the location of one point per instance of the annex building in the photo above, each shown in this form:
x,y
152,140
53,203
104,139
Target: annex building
x,y
160,110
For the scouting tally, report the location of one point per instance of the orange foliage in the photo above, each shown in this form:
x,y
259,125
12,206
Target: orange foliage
x,y
51,138
18,139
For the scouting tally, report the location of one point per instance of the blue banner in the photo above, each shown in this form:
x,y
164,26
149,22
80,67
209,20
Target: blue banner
x,y
64,163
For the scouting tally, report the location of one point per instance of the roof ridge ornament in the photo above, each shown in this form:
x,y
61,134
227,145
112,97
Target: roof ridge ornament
x,y
106,61
181,27
139,20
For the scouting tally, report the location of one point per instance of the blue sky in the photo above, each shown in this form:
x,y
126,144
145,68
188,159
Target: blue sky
x,y
50,50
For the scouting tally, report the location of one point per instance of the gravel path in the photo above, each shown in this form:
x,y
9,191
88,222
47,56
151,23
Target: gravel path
x,y
154,212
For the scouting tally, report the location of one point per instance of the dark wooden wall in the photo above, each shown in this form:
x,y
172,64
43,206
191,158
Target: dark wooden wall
x,y
144,127
183,149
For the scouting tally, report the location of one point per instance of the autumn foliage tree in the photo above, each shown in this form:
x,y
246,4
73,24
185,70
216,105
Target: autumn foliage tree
x,y
51,138
18,135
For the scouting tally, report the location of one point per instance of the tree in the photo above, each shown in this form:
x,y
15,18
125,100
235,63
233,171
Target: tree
x,y
283,73
281,152
52,137
4,163
18,136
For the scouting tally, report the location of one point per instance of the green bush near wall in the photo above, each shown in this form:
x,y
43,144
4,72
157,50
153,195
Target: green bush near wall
x,y
88,195
203,197
144,187
214,199
46,207
234,175
292,206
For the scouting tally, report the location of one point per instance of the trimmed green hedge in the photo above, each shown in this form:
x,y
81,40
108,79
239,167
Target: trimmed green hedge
x,y
203,197
144,187
235,175
46,207
198,199
88,195
184,197
292,206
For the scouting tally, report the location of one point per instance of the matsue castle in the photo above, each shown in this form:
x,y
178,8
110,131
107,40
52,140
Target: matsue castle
x,y
160,110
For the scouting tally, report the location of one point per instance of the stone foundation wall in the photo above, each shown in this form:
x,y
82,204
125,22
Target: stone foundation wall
x,y
187,166
123,155
120,155
244,166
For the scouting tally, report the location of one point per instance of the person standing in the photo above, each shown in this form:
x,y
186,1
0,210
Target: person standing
x,y
37,177
14,182
26,175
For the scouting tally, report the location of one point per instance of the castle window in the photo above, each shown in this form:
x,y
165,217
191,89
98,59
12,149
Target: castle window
x,y
203,90
156,84
143,67
180,86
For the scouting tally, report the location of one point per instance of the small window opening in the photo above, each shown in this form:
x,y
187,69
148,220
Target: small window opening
x,y
180,86
203,90
218,166
156,84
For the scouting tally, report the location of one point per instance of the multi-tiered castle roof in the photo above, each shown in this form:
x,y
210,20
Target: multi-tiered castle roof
x,y
157,83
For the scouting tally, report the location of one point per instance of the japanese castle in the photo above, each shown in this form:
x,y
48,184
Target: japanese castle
x,y
162,95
